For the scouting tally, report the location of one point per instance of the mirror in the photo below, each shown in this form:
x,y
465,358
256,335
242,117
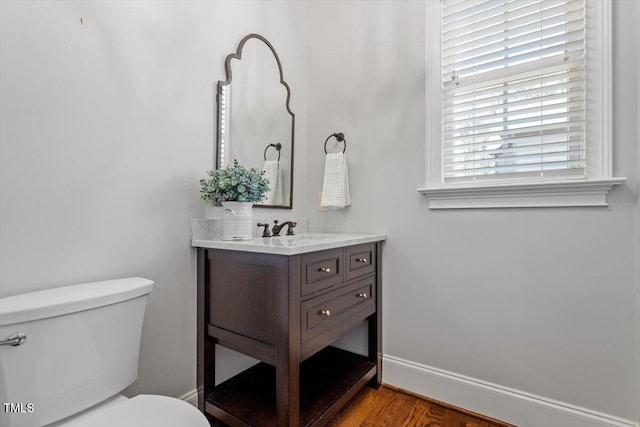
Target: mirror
x,y
255,124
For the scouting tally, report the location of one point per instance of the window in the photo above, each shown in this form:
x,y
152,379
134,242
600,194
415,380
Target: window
x,y
522,109
513,89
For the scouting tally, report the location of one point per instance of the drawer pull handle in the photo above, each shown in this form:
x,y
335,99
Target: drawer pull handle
x,y
324,269
325,313
362,295
362,260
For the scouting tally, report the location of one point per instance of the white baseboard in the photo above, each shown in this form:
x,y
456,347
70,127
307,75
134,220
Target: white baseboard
x,y
495,401
191,397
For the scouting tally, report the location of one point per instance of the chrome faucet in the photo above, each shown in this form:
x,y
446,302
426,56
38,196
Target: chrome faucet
x,y
275,230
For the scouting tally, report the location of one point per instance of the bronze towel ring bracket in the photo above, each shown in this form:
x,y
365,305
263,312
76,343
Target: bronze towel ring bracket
x,y
339,137
277,146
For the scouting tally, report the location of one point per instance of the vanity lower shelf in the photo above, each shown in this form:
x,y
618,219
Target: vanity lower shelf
x,y
327,381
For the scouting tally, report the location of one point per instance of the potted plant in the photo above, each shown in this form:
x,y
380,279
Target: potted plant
x,y
236,188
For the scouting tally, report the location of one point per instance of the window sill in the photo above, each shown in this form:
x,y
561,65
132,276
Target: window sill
x,y
588,192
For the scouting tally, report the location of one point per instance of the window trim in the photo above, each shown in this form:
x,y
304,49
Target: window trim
x,y
591,191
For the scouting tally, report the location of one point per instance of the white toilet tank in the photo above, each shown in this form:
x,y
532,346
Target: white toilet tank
x,y
82,345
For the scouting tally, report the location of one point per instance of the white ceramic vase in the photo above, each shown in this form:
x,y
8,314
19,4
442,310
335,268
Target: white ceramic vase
x,y
237,221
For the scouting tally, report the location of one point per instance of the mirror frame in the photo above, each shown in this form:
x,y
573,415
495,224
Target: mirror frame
x,y
227,67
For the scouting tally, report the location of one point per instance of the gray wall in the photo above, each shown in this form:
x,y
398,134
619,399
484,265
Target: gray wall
x,y
106,129
539,300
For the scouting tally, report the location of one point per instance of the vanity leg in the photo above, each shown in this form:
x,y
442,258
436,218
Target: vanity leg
x,y
375,324
288,354
287,395
205,356
205,345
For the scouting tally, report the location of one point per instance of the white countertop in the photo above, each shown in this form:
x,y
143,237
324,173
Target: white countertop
x,y
291,245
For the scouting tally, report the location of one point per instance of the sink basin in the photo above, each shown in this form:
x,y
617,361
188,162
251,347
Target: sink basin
x,y
297,240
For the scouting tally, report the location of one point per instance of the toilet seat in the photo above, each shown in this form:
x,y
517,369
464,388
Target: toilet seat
x,y
145,410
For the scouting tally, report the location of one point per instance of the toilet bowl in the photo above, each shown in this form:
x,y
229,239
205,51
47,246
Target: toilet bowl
x,y
144,410
68,352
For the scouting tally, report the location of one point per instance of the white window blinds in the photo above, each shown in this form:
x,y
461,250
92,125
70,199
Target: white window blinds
x,y
513,78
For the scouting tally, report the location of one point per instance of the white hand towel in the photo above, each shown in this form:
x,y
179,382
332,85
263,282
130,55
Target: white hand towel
x,y
335,189
274,196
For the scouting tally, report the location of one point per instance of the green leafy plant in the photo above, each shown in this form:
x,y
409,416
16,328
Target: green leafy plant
x,y
234,183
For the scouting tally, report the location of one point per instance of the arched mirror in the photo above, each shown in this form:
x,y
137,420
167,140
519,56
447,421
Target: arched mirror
x,y
255,124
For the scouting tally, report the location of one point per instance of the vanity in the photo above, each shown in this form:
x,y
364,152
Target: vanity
x,y
281,300
284,301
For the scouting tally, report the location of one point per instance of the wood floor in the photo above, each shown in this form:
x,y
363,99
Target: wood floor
x,y
389,407
393,408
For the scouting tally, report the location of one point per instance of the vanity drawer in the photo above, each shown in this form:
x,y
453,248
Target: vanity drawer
x,y
361,260
319,314
321,270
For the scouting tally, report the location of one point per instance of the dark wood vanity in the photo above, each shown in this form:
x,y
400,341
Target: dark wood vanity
x,y
286,311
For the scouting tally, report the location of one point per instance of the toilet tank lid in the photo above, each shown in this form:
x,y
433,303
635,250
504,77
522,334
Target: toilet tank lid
x,y
70,299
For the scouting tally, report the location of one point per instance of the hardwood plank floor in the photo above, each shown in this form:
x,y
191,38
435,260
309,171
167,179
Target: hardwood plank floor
x,y
391,407
395,408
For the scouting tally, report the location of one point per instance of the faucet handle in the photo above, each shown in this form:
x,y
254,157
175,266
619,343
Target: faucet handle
x,y
290,228
265,232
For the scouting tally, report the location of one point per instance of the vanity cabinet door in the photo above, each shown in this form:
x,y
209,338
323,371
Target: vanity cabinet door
x,y
246,299
321,270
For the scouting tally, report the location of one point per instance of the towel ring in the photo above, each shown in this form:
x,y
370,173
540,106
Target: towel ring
x,y
277,146
340,137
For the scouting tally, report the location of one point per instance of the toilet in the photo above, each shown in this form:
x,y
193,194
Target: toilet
x,y
77,349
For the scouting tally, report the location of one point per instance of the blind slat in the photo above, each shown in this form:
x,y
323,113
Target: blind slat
x,y
573,157
506,176
500,118
533,139
550,84
527,167
502,59
516,72
571,116
525,131
551,147
505,152
514,101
